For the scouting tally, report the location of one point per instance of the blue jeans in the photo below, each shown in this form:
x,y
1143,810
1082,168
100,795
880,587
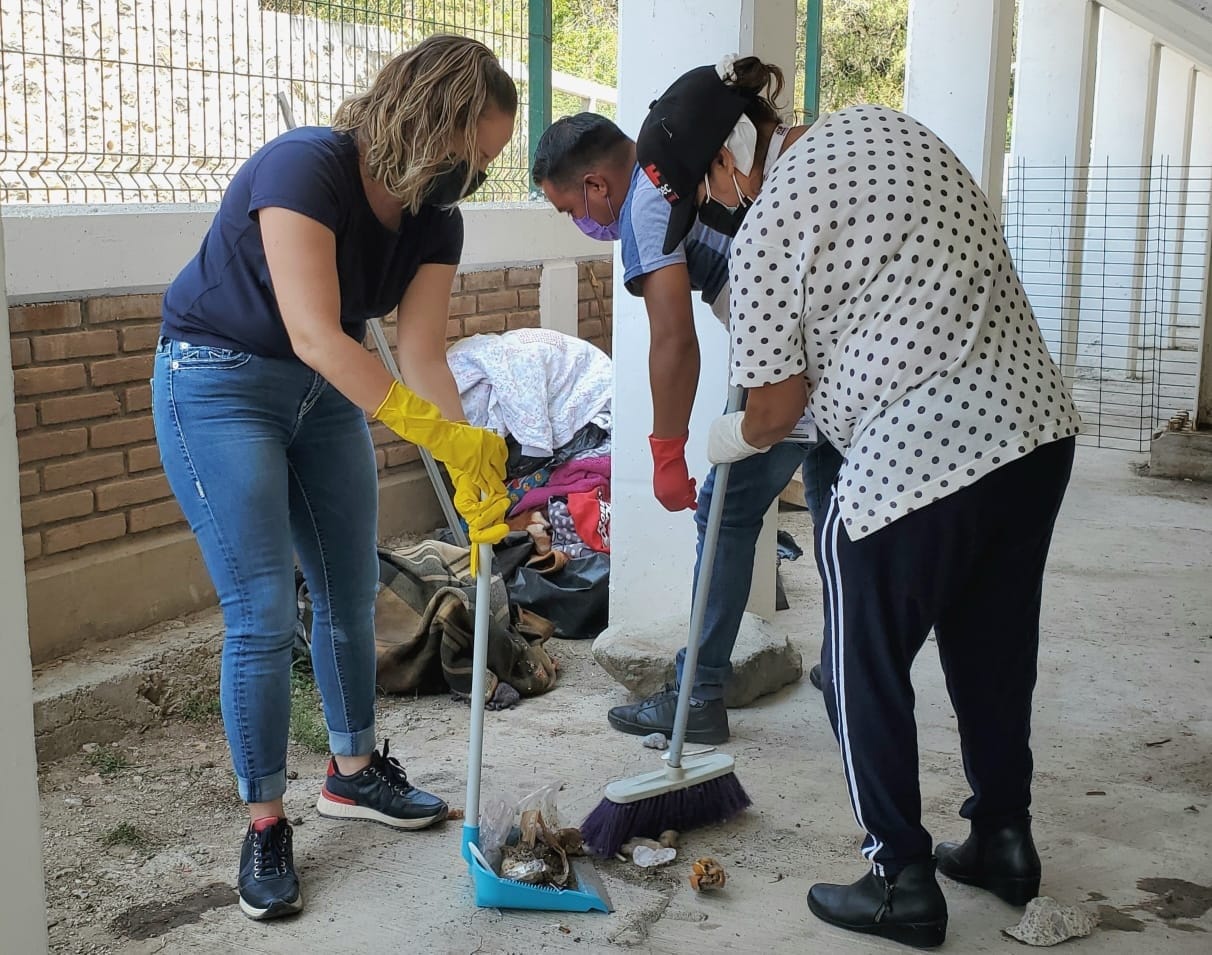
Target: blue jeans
x,y
268,460
753,484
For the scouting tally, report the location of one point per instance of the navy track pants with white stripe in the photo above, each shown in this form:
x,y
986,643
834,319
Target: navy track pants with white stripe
x,y
970,566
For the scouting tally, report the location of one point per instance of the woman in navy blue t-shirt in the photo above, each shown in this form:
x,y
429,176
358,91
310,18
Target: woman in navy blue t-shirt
x,y
260,395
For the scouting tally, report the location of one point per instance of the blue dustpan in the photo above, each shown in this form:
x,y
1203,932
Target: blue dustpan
x,y
492,891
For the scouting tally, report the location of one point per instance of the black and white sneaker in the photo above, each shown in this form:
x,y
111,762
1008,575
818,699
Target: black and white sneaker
x,y
379,793
708,718
269,885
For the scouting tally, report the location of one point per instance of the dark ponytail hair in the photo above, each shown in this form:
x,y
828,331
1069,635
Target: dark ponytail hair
x,y
766,82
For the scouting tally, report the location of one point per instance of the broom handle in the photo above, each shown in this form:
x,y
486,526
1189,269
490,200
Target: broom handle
x,y
698,606
431,466
479,679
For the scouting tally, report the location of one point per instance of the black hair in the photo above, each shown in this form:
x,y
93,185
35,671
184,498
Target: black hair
x,y
572,144
765,81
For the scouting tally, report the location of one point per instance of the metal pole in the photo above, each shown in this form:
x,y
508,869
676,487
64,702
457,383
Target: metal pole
x,y
812,61
538,77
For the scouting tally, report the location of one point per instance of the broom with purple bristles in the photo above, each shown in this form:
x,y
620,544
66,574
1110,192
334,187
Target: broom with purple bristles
x,y
694,790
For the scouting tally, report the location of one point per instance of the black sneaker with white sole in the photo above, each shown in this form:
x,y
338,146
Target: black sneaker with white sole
x,y
708,721
268,883
379,793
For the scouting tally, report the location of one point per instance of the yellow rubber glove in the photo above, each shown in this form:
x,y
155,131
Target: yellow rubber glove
x,y
474,456
476,452
485,515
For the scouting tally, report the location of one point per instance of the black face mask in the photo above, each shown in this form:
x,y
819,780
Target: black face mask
x,y
715,215
446,188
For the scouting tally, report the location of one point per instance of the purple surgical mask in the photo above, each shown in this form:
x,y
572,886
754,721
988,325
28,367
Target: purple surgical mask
x,y
594,229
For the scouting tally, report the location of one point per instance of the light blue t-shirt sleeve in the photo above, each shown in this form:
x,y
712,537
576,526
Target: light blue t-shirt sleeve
x,y
643,220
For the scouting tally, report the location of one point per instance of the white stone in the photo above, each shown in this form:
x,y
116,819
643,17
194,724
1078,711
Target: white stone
x,y
642,658
1047,922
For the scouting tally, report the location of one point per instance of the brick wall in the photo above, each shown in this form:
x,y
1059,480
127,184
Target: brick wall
x,y
90,471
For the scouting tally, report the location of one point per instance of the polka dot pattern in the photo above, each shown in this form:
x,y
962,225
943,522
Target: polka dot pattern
x,y
872,264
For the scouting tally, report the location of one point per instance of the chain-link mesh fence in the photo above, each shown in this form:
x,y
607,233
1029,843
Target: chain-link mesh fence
x,y
161,100
1115,261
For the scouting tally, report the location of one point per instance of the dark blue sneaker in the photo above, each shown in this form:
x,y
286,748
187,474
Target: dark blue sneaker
x,y
269,885
379,793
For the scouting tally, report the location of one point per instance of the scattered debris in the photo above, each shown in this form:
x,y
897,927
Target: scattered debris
x,y
667,840
1095,792
454,815
647,858
1159,742
655,741
1194,809
539,856
707,874
1047,922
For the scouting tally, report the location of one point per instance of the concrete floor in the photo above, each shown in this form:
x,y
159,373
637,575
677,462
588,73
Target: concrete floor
x,y
1126,661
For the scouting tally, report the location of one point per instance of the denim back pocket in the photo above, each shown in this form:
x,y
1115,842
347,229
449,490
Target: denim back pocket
x,y
207,356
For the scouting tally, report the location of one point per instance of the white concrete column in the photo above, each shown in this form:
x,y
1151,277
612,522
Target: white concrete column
x,y
1125,109
559,297
652,551
957,80
1050,148
1170,155
1197,274
22,898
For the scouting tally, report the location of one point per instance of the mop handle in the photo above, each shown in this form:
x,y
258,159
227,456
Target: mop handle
x,y
431,466
698,606
479,679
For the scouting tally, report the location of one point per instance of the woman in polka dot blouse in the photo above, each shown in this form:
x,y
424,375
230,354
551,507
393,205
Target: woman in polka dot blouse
x,y
869,271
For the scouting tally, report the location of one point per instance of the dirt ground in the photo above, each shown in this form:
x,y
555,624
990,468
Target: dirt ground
x,y
141,837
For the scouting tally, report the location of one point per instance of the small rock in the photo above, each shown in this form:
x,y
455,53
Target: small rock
x,y
1047,922
292,774
90,747
655,741
94,779
73,801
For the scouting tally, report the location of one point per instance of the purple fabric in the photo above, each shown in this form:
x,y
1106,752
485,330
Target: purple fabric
x,y
584,474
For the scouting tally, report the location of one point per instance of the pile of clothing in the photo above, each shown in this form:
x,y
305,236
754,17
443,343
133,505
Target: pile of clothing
x,y
549,394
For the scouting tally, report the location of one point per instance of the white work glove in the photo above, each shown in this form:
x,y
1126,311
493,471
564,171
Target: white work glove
x,y
726,444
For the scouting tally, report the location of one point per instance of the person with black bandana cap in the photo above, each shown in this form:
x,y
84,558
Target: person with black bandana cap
x,y
870,278
260,394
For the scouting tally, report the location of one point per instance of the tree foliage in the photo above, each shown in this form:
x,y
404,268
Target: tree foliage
x,y
863,44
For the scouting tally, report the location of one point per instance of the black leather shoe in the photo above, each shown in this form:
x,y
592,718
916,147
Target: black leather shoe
x,y
814,676
1003,861
909,909
708,718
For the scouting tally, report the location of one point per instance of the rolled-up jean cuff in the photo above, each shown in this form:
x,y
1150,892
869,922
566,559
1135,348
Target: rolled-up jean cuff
x,y
263,789
361,743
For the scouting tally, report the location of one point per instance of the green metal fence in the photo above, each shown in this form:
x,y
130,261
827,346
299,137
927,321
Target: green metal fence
x,y
161,100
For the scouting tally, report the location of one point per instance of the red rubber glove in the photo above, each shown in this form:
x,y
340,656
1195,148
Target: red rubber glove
x,y
671,482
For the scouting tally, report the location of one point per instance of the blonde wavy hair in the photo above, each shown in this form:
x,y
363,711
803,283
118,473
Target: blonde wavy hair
x,y
421,111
